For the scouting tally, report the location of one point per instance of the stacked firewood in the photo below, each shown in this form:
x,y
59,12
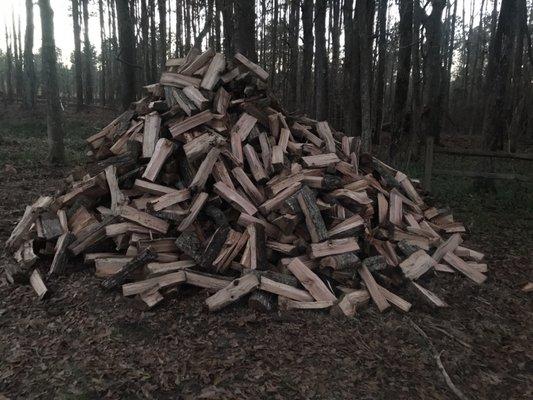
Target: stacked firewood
x,y
207,181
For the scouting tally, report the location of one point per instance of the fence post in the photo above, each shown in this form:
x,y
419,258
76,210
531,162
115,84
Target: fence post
x,y
428,163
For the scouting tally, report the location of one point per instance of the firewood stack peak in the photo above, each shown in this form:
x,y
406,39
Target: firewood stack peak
x,y
208,181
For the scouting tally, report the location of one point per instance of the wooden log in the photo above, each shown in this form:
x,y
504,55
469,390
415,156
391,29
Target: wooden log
x,y
469,253
190,244
191,122
256,167
18,235
117,197
310,281
448,246
324,132
232,292
194,210
254,68
430,297
395,209
282,289
395,300
235,199
341,262
313,218
464,268
347,227
257,239
408,187
213,247
332,247
288,304
221,101
142,218
207,281
163,149
279,198
160,268
201,145
236,147
151,297
198,62
417,264
169,199
351,302
172,279
320,161
194,95
204,171
243,126
37,283
374,289
249,188
212,75
152,188
152,128
178,80
61,254
91,235
51,225
137,262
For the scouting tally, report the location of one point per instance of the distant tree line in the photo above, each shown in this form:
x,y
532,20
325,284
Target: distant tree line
x,y
401,70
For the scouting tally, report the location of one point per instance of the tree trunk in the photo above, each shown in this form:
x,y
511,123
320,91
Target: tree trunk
x,y
497,81
294,28
321,62
187,20
145,30
102,54
179,33
335,55
127,53
433,61
77,54
402,78
245,20
274,43
153,43
162,7
56,153
382,54
364,23
29,65
307,58
347,68
227,20
87,53
9,70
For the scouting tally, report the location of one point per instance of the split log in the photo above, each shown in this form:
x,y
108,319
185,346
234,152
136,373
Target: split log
x,y
137,262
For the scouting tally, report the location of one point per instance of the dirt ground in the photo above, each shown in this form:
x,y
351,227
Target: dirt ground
x,y
84,343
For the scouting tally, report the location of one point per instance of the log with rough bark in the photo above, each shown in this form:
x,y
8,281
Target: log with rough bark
x,y
140,260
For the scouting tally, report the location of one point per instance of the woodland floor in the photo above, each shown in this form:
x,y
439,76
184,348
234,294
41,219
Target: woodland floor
x,y
83,343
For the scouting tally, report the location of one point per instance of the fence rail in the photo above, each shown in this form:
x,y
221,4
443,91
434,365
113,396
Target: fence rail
x,y
431,151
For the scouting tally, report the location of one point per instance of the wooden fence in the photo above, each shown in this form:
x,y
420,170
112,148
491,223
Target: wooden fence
x,y
431,151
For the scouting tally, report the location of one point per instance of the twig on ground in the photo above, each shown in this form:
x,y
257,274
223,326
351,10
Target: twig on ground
x,y
437,355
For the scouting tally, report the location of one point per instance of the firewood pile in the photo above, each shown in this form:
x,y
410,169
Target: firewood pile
x,y
207,181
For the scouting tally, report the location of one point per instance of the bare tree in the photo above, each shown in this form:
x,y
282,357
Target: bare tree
x,y
307,57
161,5
56,154
321,60
87,55
102,53
380,79
78,78
245,19
29,64
127,53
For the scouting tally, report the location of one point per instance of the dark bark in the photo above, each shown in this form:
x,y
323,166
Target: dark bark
x,y
103,57
402,77
274,43
153,42
433,71
145,29
245,20
335,60
78,77
497,110
347,93
9,70
227,20
87,55
364,23
54,124
29,64
380,79
321,62
179,30
162,7
294,27
127,53
307,57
